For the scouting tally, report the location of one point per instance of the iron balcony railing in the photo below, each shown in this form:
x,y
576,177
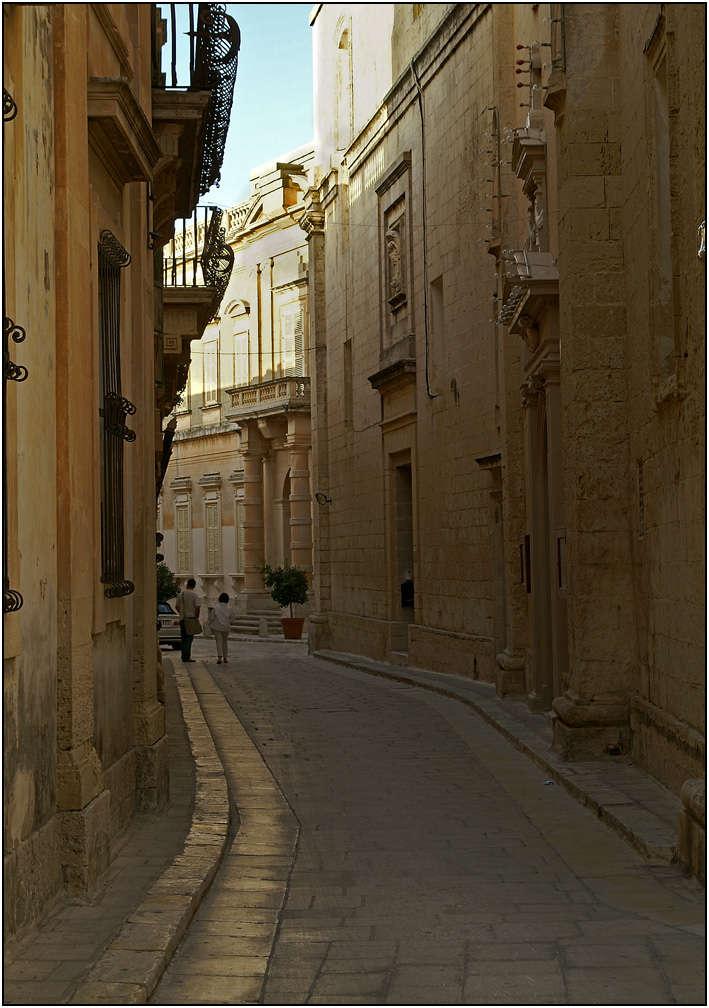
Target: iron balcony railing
x,y
198,255
202,43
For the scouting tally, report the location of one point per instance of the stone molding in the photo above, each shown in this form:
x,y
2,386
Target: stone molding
x,y
531,389
119,130
393,377
110,28
456,24
587,715
312,221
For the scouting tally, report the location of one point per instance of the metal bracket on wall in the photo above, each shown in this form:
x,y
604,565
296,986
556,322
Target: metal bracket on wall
x,y
9,107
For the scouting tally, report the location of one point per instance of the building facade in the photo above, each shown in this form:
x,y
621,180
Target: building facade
x,y
238,487
507,302
96,172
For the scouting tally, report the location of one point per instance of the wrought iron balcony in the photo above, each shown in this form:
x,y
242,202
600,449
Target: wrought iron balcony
x,y
206,61
199,256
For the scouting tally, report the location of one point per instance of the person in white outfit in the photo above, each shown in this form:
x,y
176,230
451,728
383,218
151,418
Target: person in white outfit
x,y
220,621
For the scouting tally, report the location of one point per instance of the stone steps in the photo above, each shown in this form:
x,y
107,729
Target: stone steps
x,y
250,625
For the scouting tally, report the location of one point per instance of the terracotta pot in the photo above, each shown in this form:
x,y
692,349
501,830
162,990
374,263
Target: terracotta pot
x,y
292,628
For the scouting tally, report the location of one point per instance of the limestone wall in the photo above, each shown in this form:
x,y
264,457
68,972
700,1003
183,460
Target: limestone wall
x,y
84,731
32,838
508,302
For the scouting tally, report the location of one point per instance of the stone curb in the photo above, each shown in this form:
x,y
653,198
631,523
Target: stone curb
x,y
129,970
648,834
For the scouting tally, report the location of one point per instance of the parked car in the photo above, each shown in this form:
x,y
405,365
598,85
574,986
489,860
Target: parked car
x,y
169,632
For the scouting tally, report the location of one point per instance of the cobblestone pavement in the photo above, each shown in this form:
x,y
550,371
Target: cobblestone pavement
x,y
395,849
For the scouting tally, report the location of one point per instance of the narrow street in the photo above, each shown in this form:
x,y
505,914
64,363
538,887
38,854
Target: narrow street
x,y
395,849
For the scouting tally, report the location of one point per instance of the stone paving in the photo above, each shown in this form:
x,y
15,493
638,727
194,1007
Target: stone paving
x,y
375,835
417,858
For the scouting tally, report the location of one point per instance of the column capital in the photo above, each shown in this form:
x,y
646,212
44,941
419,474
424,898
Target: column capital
x,y
312,221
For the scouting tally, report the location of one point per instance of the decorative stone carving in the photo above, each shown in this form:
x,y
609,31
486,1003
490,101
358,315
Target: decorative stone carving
x,y
395,266
312,221
532,389
529,331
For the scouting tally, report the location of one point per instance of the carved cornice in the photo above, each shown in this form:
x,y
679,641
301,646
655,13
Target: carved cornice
x,y
211,480
312,221
528,153
181,483
400,166
489,461
457,22
119,130
394,376
532,282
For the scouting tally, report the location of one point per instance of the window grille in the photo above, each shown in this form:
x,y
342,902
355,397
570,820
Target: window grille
x,y
112,258
183,538
213,529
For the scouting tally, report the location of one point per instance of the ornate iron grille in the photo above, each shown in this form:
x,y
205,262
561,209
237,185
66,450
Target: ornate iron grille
x,y
214,40
199,255
112,258
9,107
216,59
11,600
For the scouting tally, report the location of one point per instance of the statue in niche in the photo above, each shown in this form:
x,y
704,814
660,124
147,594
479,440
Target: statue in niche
x,y
529,331
532,242
395,267
536,221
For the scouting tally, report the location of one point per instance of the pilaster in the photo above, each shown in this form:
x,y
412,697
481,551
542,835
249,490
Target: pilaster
x,y
252,452
298,443
312,221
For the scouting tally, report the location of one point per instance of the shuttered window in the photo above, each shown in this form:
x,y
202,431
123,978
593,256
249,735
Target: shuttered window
x,y
213,529
211,372
241,358
293,336
114,410
183,538
240,538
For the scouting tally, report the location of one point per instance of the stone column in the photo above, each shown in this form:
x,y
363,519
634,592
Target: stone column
x,y
269,529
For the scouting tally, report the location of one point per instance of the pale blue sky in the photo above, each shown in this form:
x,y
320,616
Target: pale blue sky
x,y
272,112
273,98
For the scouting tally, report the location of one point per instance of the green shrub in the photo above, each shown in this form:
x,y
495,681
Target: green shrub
x,y
288,584
168,588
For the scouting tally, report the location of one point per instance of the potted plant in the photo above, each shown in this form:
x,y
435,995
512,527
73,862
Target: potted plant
x,y
289,587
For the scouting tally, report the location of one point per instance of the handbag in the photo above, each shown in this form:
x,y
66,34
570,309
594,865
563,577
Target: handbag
x,y
193,627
